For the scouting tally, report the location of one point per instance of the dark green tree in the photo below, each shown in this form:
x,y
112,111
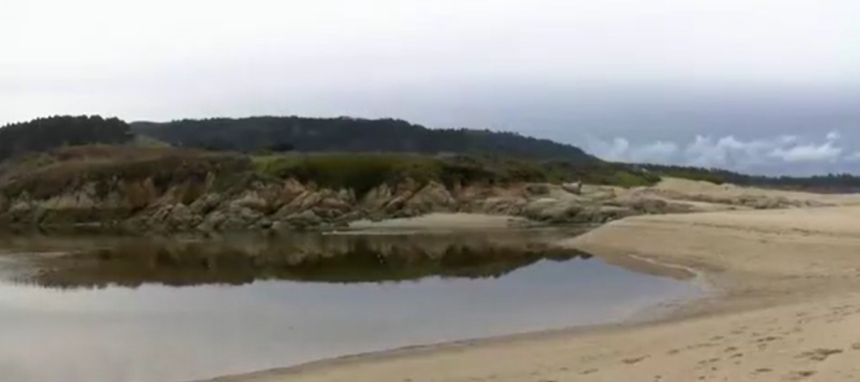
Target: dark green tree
x,y
48,133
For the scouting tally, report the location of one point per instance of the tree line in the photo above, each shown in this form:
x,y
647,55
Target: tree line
x,y
44,134
354,135
346,134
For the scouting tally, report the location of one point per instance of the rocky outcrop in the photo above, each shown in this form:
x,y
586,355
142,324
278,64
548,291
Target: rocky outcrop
x,y
198,204
573,188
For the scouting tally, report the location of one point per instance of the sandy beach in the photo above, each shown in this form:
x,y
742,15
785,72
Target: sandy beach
x,y
785,306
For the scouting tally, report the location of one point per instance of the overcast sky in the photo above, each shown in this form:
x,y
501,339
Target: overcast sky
x,y
764,85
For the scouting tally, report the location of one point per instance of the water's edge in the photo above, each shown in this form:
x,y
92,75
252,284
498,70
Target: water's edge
x,y
660,312
510,289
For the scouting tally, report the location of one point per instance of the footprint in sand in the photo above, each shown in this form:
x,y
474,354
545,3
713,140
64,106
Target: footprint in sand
x,y
768,339
704,364
701,346
763,342
819,355
793,330
800,375
631,361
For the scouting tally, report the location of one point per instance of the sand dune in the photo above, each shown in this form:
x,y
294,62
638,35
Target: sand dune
x,y
786,308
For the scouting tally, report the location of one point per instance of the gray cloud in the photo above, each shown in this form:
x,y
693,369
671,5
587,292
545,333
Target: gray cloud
x,y
773,154
162,59
748,85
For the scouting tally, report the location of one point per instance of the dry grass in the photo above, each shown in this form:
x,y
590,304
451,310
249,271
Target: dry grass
x,y
52,173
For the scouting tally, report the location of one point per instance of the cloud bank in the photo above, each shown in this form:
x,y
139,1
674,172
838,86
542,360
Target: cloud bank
x,y
164,59
779,154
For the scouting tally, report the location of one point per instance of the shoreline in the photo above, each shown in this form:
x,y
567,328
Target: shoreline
x,y
666,311
769,290
662,312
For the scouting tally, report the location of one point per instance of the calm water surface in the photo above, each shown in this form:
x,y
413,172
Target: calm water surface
x,y
159,310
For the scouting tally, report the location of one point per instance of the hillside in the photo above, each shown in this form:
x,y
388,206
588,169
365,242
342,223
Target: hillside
x,y
49,133
350,135
294,135
71,171
173,189
145,189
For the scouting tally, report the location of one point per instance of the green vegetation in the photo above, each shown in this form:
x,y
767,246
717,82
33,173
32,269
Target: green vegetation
x,y
145,141
48,133
604,173
363,172
46,157
142,174
626,179
335,152
360,172
282,134
50,173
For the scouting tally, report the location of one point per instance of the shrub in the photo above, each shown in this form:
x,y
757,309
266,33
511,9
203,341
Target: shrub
x,y
359,172
107,168
363,172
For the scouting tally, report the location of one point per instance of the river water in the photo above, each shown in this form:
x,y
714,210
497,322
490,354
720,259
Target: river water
x,y
107,309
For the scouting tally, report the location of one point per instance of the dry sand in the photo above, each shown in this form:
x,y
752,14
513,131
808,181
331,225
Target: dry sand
x,y
786,307
704,192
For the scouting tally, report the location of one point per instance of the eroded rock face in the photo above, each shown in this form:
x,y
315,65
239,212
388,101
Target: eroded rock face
x,y
433,197
573,188
207,203
555,211
291,205
496,205
537,189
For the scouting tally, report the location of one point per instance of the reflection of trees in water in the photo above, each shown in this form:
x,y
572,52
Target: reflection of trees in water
x,y
309,258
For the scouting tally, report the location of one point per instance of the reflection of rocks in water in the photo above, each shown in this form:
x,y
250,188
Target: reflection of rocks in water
x,y
318,258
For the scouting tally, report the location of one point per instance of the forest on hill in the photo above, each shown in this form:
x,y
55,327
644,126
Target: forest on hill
x,y
278,135
351,135
44,134
66,142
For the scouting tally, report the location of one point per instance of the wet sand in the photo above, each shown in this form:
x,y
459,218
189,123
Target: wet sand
x,y
785,307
